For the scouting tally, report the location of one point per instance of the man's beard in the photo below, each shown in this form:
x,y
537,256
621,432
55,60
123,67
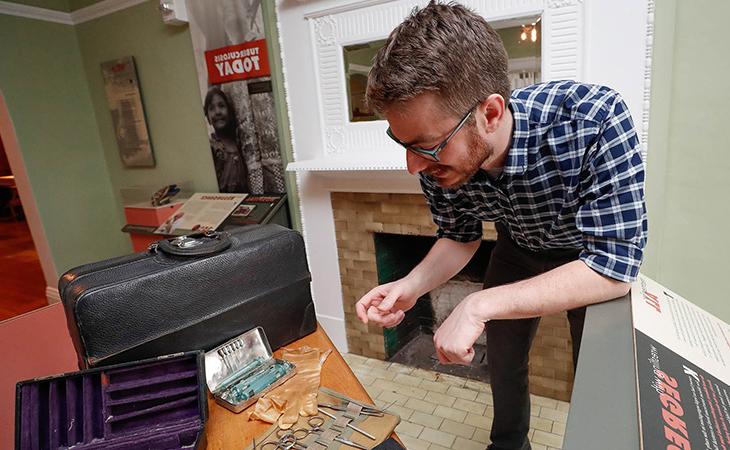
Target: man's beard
x,y
452,177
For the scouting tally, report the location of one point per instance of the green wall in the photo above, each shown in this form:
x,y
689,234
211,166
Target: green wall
x,y
78,4
688,190
51,78
50,75
45,88
56,5
168,82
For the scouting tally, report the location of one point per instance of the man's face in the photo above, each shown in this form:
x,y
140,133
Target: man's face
x,y
422,122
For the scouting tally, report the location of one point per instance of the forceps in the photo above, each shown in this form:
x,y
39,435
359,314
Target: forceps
x,y
366,411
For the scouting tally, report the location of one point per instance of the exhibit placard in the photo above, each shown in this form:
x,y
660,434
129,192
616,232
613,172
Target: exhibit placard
x,y
201,212
683,371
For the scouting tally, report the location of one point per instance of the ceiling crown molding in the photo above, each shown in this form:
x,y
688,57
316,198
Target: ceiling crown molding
x,y
79,16
32,12
102,9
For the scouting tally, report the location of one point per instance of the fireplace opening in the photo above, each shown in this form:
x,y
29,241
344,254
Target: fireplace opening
x,y
411,342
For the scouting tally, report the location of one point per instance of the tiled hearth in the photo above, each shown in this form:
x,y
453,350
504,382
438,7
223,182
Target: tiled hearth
x,y
359,215
440,411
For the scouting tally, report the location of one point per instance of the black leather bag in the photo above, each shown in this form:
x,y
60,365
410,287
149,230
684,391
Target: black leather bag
x,y
190,293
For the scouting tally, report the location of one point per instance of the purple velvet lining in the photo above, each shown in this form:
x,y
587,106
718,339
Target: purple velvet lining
x,y
57,413
92,406
74,410
151,370
181,435
154,405
154,384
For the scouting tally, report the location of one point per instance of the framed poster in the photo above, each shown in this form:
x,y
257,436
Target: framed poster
x,y
125,103
683,371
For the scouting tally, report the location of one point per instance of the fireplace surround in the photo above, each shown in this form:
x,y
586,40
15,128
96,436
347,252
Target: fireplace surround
x,y
358,216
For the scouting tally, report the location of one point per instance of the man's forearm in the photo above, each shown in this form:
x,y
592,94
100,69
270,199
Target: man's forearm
x,y
445,259
566,287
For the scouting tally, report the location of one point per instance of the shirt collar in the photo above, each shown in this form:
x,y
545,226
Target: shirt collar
x,y
517,157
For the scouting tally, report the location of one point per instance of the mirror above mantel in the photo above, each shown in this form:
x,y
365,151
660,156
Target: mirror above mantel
x,y
334,131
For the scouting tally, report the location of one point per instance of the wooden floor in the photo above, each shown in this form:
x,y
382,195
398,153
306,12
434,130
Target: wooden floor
x,y
22,286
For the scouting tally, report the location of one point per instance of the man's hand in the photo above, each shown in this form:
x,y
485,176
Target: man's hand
x,y
386,304
454,340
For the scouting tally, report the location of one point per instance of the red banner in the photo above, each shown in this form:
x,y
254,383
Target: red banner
x,y
237,62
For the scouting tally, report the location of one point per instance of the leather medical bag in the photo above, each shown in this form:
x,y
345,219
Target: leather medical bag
x,y
190,293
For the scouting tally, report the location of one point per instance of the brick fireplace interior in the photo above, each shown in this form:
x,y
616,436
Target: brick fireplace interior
x,y
361,220
411,342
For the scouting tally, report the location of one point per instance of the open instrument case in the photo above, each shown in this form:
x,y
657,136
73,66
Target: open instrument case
x,y
158,403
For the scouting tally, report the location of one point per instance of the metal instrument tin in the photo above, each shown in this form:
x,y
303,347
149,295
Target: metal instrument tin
x,y
241,370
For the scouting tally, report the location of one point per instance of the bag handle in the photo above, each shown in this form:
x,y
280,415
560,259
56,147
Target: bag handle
x,y
197,244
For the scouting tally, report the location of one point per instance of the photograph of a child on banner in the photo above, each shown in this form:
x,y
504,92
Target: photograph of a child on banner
x,y
238,104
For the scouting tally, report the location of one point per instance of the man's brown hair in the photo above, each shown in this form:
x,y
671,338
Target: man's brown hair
x,y
443,48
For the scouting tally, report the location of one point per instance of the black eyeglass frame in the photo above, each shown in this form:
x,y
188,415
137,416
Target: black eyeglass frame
x,y
432,153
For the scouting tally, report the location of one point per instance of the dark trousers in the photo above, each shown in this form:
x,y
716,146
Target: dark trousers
x,y
509,341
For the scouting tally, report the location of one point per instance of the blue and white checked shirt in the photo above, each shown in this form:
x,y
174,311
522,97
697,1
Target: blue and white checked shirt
x,y
574,178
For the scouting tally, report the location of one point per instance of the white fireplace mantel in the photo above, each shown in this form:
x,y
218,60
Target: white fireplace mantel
x,y
596,41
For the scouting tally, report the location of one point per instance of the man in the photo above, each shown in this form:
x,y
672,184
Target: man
x,y
556,166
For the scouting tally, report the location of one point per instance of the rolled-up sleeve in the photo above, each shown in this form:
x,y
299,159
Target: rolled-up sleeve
x,y
452,224
612,214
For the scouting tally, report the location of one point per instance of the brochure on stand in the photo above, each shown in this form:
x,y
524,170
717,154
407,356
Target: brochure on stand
x,y
200,213
255,209
683,371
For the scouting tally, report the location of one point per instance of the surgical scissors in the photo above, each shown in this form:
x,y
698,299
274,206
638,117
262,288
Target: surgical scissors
x,y
289,439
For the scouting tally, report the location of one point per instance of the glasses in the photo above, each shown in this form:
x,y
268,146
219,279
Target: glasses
x,y
433,152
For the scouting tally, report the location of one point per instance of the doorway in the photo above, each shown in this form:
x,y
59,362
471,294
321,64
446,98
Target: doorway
x,y
22,285
26,265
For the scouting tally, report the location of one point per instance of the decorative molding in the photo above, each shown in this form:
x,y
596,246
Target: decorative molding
x,y
32,12
646,106
285,82
326,29
344,8
335,140
102,9
562,43
340,164
563,3
77,17
366,21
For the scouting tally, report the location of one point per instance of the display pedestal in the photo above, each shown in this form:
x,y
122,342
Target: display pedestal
x,y
144,214
144,219
142,236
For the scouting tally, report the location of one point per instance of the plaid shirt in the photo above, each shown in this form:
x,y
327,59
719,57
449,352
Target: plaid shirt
x,y
573,179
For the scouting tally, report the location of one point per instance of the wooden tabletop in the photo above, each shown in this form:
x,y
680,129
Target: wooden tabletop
x,y
227,430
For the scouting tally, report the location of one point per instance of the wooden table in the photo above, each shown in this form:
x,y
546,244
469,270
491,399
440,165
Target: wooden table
x,y
227,430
